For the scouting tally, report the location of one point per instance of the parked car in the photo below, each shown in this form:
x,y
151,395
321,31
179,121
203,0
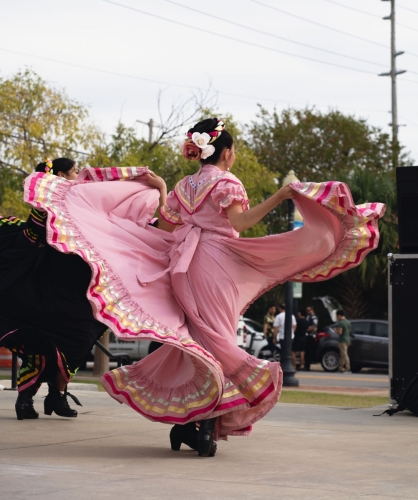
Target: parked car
x,y
368,346
138,349
241,333
256,343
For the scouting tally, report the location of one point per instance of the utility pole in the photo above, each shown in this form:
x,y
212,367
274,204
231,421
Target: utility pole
x,y
393,74
151,127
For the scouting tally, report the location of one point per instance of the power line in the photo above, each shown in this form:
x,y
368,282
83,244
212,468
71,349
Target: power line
x,y
134,77
325,26
319,24
406,8
271,34
106,71
366,13
125,75
408,120
352,8
409,81
246,42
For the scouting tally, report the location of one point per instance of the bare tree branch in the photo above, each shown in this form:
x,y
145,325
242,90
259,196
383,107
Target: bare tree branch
x,y
183,112
13,167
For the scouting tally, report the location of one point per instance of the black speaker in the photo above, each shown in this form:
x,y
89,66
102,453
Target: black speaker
x,y
407,190
403,341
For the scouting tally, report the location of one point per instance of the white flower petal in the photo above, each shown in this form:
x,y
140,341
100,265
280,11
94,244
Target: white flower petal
x,y
201,140
208,151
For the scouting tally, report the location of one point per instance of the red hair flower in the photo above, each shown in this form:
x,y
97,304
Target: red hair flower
x,y
191,151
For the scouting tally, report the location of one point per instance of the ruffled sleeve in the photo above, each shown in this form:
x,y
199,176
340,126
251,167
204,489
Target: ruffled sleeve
x,y
227,192
171,210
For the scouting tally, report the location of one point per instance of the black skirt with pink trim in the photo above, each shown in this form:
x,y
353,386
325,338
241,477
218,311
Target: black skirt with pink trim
x,y
43,306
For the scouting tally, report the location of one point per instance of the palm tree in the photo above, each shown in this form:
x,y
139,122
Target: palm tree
x,y
363,290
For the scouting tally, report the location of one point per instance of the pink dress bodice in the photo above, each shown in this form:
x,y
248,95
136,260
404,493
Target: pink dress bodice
x,y
201,200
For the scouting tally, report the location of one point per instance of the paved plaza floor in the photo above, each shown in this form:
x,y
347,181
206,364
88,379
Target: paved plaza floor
x,y
296,452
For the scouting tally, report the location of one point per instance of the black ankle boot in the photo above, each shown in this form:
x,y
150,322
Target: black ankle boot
x,y
186,434
57,402
24,405
206,446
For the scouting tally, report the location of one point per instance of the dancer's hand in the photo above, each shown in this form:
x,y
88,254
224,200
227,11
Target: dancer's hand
x,y
155,181
286,193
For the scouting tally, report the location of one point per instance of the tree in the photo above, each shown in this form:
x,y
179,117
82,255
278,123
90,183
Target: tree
x,y
363,290
183,113
125,148
11,196
319,145
37,121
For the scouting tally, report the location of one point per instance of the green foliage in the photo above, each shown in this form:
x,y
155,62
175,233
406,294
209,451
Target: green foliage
x,y
328,399
36,121
125,149
319,145
11,198
363,290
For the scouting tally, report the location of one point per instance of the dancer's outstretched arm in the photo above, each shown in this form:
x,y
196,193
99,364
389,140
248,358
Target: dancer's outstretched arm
x,y
242,220
159,183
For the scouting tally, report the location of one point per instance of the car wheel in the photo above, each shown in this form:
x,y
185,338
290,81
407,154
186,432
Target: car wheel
x,y
355,368
267,354
264,354
330,360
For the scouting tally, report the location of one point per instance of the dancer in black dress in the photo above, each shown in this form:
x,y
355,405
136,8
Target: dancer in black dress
x,y
44,314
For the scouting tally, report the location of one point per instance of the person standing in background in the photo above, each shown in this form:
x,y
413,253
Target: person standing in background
x,y
312,319
268,329
343,329
279,325
299,342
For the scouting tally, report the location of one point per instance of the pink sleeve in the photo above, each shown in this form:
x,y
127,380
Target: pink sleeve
x,y
171,210
226,192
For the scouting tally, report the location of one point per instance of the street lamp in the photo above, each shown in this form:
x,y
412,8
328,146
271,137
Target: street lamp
x,y
286,355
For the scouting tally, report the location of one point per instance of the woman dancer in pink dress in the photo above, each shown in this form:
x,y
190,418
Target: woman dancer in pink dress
x,y
186,287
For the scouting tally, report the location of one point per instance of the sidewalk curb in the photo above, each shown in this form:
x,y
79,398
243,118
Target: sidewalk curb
x,y
78,386
72,386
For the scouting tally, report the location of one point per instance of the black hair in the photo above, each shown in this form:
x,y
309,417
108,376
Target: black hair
x,y
340,312
282,306
58,165
223,141
302,312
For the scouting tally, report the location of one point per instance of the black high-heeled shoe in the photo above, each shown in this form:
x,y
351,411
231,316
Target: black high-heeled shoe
x,y
57,402
206,446
24,405
183,434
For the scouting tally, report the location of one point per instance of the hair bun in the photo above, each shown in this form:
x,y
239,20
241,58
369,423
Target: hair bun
x,y
205,125
40,167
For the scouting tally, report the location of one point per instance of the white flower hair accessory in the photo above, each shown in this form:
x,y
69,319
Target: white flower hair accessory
x,y
202,140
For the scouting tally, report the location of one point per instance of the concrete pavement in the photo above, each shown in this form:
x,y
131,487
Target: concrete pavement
x,y
295,452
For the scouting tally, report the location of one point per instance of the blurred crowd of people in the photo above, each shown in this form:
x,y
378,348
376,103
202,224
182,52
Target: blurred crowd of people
x,y
304,328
